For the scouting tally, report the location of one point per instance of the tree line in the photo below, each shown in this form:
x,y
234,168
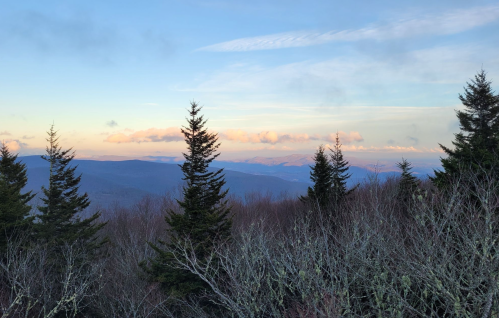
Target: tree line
x,y
333,258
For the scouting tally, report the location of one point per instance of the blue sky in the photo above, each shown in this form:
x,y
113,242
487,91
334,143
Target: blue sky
x,y
275,77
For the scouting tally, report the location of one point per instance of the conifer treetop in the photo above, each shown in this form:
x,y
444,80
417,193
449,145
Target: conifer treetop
x,y
321,176
476,145
201,146
59,220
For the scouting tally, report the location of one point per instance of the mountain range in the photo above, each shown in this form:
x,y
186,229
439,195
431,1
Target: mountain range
x,y
125,180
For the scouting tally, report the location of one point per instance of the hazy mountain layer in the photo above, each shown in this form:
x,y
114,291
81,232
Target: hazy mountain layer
x,y
126,182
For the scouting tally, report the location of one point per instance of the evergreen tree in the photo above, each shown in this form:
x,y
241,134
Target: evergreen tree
x,y
339,174
58,221
321,176
408,184
205,220
14,208
476,146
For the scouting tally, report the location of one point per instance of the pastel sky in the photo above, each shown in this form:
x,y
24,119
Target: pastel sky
x,y
275,77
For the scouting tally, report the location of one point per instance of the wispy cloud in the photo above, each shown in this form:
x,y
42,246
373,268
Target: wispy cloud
x,y
149,135
345,138
111,123
4,133
341,79
77,34
414,140
27,137
451,22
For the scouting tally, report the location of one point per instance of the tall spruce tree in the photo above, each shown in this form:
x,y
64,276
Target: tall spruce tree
x,y
321,176
339,174
206,218
59,222
14,207
408,184
476,146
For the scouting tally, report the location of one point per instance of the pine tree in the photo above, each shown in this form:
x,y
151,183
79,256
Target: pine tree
x,y
14,208
339,174
205,220
321,176
476,146
408,184
59,222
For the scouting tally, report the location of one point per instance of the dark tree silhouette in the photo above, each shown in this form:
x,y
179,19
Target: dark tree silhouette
x,y
339,174
14,207
58,221
408,184
206,218
321,176
476,146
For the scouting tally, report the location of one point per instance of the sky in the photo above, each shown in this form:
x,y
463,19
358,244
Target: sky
x,y
274,77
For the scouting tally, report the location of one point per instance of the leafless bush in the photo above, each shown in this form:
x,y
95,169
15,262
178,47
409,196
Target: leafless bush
x,y
35,286
440,261
370,258
126,292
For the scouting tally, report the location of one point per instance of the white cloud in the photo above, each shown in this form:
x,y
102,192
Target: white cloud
x,y
345,76
448,23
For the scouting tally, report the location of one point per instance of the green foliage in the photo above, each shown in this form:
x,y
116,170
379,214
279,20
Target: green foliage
x,y
14,208
206,218
58,222
321,176
476,146
339,174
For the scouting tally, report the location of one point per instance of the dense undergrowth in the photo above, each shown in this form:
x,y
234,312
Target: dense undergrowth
x,y
371,257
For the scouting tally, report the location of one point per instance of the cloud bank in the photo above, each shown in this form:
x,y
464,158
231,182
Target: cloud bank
x,y
272,137
451,22
237,135
149,135
266,137
400,149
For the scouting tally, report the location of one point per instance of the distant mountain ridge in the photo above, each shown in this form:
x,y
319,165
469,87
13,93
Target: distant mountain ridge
x,y
126,182
295,167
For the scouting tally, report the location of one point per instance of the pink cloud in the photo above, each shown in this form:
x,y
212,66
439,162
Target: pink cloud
x,y
401,149
266,137
148,135
14,145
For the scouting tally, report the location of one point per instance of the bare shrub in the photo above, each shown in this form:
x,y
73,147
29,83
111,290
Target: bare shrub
x,y
34,287
441,260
